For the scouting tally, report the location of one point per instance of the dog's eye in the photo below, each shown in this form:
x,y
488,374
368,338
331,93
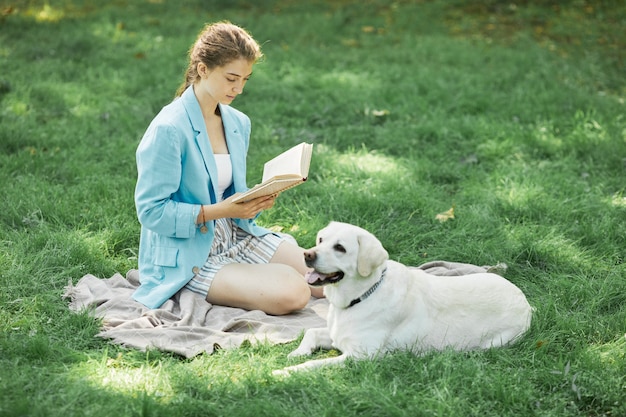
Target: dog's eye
x,y
319,240
339,248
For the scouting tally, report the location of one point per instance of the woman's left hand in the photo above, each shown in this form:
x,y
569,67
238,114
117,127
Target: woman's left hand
x,y
249,209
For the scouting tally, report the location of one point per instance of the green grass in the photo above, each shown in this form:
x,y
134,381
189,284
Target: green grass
x,y
513,114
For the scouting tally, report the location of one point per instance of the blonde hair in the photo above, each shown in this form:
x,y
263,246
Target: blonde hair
x,y
217,45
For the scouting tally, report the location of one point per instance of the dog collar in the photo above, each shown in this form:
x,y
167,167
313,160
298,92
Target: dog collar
x,y
368,292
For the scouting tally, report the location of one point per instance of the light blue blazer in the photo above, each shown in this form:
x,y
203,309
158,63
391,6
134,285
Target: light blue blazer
x,y
176,175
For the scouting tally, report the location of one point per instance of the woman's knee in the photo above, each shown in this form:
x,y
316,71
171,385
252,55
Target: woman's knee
x,y
300,298
293,293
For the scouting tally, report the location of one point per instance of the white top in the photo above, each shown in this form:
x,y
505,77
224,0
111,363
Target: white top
x,y
224,173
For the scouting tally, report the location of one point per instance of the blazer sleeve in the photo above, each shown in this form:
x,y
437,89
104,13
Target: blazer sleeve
x,y
159,171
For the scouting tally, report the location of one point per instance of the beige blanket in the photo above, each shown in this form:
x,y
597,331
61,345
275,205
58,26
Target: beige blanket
x,y
187,325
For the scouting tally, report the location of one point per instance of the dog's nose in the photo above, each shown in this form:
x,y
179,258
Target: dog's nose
x,y
309,256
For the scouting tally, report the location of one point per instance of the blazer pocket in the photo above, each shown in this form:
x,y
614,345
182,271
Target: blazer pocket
x,y
164,256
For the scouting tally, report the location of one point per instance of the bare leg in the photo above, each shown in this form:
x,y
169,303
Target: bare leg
x,y
293,256
273,288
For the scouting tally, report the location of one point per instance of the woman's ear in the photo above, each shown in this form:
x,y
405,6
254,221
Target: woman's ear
x,y
202,69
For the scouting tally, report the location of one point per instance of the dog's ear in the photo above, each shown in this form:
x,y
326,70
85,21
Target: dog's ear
x,y
371,254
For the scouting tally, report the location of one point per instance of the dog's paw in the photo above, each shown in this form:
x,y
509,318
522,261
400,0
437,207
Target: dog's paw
x,y
282,372
297,353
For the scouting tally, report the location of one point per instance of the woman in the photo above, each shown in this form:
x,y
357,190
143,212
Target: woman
x,y
191,162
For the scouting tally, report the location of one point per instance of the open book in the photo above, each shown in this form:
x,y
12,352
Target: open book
x,y
287,170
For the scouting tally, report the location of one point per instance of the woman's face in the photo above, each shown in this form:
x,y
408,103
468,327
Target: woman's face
x,y
224,83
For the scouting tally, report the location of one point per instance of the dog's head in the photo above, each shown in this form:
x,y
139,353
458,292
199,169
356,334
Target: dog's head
x,y
343,250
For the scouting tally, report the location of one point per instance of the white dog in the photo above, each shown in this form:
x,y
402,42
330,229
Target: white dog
x,y
378,305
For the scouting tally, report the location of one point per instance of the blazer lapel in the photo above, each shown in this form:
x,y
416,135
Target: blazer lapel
x,y
202,139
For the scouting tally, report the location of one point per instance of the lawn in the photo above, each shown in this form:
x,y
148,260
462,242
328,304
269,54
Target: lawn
x,y
512,114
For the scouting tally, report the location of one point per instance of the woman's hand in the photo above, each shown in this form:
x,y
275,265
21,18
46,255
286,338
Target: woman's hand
x,y
249,209
227,208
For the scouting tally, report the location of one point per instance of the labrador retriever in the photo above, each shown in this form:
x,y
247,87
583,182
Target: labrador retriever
x,y
377,305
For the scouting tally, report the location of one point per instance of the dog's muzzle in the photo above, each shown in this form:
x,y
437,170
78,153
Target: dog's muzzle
x,y
317,279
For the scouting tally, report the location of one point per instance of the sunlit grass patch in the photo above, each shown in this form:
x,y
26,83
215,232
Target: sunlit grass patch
x,y
124,376
611,353
618,200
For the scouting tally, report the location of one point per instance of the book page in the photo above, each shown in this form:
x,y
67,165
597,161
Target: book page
x,y
293,161
287,170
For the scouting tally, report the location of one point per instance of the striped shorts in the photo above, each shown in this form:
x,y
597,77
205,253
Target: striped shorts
x,y
232,245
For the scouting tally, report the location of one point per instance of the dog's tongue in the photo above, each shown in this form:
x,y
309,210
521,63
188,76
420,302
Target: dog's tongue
x,y
314,276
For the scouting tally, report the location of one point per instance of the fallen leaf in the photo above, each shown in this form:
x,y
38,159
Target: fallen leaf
x,y
380,113
446,215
